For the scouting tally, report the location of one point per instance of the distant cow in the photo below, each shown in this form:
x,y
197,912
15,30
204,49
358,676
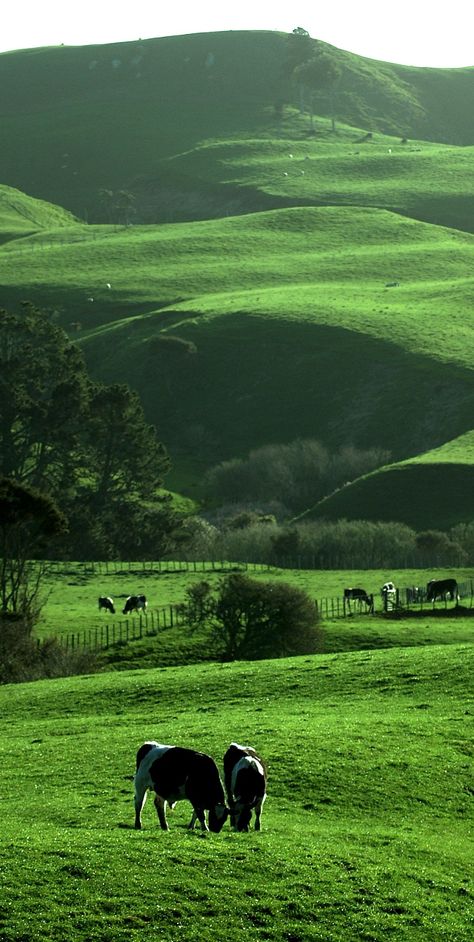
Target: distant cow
x,y
175,773
135,603
245,780
389,596
359,595
106,602
441,588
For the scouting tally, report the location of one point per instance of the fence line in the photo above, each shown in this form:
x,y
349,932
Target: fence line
x,y
150,623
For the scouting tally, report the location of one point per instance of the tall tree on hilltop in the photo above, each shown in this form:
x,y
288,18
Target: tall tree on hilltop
x,y
317,75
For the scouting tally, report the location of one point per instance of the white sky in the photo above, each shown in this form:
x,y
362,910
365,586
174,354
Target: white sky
x,y
413,32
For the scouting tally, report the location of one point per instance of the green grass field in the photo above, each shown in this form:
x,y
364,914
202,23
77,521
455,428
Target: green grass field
x,y
71,596
365,830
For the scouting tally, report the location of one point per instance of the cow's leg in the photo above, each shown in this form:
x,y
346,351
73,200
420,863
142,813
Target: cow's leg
x,y
258,813
160,805
199,814
140,799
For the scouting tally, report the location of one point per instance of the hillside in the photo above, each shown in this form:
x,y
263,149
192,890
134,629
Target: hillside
x,y
334,323
109,116
277,281
435,488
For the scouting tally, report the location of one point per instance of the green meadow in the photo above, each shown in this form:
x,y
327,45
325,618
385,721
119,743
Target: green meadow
x,y
365,829
71,608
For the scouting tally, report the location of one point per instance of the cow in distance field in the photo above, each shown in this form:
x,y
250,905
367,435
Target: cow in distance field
x,y
135,603
174,774
441,588
359,595
107,603
245,779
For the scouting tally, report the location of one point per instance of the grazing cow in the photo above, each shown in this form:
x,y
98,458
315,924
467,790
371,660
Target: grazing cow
x,y
441,588
135,603
359,595
175,773
245,779
415,594
107,603
389,596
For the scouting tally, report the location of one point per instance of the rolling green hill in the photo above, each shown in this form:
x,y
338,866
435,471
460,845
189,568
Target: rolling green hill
x,y
435,489
278,282
110,116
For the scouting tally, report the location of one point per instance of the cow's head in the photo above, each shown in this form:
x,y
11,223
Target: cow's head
x,y
217,817
242,816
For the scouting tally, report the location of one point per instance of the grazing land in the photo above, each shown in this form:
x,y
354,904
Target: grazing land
x,y
365,830
177,645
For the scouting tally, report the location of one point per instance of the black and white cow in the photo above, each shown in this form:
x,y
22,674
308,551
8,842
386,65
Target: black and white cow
x,y
441,588
175,773
135,603
359,595
245,779
106,602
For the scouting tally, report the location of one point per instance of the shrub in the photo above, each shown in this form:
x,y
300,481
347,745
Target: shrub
x,y
251,619
23,658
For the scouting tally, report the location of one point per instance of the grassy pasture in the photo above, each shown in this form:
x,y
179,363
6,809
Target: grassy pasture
x,y
365,831
71,607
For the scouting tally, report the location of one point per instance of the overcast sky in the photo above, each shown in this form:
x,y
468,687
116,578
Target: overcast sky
x,y
413,32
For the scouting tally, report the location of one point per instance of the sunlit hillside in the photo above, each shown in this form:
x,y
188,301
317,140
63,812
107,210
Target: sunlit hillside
x,y
258,274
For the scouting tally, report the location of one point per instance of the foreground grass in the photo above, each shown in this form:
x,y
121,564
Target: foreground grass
x,y
365,828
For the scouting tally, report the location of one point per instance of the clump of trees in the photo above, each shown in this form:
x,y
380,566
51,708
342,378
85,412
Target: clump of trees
x,y
297,474
249,619
86,445
314,71
29,521
341,544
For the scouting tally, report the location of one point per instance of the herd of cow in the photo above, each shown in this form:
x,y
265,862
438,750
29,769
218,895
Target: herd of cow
x,y
436,590
175,773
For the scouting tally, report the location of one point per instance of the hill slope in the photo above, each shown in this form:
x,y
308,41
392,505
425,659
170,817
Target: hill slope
x,y
433,490
106,116
270,326
308,302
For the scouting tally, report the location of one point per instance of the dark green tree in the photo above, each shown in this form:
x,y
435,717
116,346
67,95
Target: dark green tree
x,y
250,619
29,521
124,456
87,445
44,399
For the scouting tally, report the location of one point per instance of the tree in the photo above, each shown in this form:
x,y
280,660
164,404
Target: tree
x,y
123,454
43,400
86,445
28,522
318,74
251,619
299,48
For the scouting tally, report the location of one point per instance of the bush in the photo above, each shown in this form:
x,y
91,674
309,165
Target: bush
x,y
23,658
251,619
